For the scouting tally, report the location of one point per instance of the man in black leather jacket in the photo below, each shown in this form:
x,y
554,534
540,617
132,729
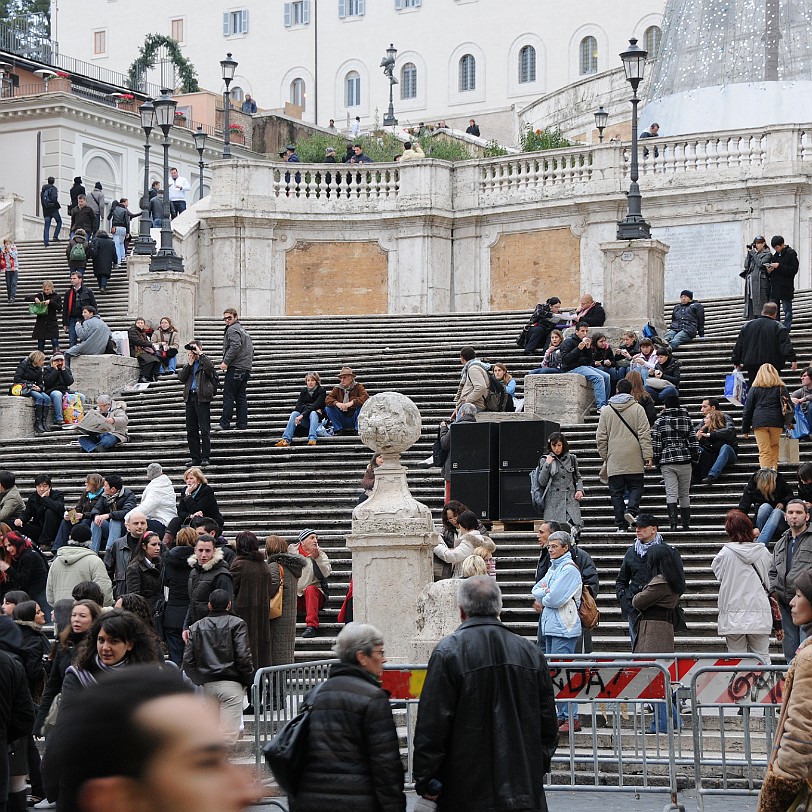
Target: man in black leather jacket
x,y
218,657
487,699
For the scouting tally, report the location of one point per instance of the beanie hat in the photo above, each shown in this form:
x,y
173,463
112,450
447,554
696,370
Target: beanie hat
x,y
305,533
804,583
688,293
97,185
80,533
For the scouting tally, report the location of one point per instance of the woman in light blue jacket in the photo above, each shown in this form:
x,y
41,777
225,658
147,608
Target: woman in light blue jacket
x,y
559,595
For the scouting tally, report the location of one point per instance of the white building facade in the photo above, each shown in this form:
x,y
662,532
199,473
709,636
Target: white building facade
x,y
457,59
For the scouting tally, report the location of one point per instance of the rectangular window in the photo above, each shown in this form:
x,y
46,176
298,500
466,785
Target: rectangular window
x,y
235,22
177,30
399,4
297,13
100,42
351,8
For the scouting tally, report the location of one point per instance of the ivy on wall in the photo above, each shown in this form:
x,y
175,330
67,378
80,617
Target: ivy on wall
x,y
146,60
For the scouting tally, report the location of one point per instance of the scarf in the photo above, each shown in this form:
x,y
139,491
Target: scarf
x,y
87,678
641,549
476,361
345,390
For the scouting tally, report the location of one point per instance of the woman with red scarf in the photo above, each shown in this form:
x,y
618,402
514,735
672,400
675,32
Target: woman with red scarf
x,y
22,567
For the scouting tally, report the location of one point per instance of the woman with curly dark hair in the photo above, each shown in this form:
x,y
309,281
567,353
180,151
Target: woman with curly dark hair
x,y
145,570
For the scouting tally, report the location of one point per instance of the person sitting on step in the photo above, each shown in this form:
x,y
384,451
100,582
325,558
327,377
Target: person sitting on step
x,y
92,333
664,380
308,412
29,382
345,401
310,595
141,348
105,426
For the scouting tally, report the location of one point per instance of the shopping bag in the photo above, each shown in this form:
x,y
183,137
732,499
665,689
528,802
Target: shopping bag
x,y
72,410
801,428
735,388
789,450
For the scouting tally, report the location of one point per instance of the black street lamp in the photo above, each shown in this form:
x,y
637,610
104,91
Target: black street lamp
x,y
200,145
388,65
229,67
165,259
144,244
601,117
633,226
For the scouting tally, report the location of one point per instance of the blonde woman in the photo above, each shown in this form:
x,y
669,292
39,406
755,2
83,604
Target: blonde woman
x,y
769,493
764,415
30,375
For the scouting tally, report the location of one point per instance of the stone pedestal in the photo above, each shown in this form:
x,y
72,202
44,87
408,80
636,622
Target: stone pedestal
x,y
563,398
634,283
392,533
155,295
16,417
96,375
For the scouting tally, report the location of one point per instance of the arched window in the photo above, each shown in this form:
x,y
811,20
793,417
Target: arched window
x,y
408,81
589,55
527,64
352,92
297,93
467,73
237,94
651,40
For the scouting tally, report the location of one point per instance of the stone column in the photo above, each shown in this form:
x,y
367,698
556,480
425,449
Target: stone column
x,y
392,533
634,283
154,295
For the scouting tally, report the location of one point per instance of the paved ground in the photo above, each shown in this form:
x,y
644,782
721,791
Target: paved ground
x,y
584,800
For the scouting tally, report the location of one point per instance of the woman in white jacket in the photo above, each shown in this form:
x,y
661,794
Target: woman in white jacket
x,y
467,542
158,501
742,569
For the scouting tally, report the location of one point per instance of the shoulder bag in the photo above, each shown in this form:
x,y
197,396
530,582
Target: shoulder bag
x,y
588,611
286,753
775,609
603,474
275,608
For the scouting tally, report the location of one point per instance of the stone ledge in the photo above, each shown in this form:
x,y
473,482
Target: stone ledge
x,y
16,417
503,417
96,375
564,398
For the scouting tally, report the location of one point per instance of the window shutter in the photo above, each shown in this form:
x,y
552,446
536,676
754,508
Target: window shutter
x,y
398,5
361,9
417,2
306,12
342,9
244,21
287,15
226,24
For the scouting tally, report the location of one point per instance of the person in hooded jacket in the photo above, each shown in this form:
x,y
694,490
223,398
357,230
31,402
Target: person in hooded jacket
x,y
158,499
742,568
102,252
74,563
176,586
209,572
43,513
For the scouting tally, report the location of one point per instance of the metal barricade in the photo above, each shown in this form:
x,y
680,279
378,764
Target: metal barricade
x,y
732,766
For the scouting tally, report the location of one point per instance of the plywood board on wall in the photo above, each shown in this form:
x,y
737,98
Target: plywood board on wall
x,y
530,266
341,278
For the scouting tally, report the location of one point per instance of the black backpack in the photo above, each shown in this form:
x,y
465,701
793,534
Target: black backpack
x,y
48,198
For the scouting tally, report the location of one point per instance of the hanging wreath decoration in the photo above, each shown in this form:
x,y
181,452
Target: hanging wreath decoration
x,y
146,60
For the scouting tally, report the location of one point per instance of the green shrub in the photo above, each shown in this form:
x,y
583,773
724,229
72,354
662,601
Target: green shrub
x,y
539,140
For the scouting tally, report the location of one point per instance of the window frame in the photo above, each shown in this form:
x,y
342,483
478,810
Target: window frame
x,y
238,16
351,9
409,82
172,22
585,55
653,52
532,65
301,85
289,10
96,33
466,74
354,100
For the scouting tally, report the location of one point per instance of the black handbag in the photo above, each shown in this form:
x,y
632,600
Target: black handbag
x,y
286,753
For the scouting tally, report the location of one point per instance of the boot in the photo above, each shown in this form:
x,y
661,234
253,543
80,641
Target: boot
x,y
38,417
685,515
672,515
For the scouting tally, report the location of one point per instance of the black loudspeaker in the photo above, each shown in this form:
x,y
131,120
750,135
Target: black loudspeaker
x,y
522,442
478,491
514,496
474,447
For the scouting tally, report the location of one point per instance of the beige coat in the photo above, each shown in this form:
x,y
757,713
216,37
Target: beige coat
x,y
308,577
622,453
473,387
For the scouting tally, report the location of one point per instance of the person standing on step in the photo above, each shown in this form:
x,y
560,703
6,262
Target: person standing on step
x,y
792,556
102,253
199,379
675,448
782,272
178,187
624,444
763,341
96,202
76,298
764,413
312,585
756,278
76,251
10,267
344,402
687,321
238,358
49,200
209,572
83,217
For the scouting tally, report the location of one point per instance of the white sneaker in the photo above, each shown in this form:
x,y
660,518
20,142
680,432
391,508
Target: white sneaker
x,y
45,804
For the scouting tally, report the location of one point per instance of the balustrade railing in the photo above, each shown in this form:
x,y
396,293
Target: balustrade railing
x,y
698,153
335,182
534,170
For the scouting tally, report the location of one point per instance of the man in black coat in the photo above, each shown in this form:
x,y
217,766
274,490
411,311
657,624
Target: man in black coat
x,y
763,341
199,379
75,299
485,687
102,251
782,271
82,216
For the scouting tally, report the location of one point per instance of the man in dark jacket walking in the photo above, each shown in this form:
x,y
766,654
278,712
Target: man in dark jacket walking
x,y
82,217
102,251
782,271
238,357
49,200
763,341
199,380
687,321
485,686
218,657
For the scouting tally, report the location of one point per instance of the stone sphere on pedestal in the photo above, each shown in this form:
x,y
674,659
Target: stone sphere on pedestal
x,y
389,423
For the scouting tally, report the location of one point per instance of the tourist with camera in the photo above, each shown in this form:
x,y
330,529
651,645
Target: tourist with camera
x,y
200,381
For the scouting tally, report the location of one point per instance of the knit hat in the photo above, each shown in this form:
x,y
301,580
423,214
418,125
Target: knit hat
x,y
77,179
305,533
804,583
80,533
97,185
688,293
57,356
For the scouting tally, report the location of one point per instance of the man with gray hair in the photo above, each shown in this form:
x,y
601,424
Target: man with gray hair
x,y
105,426
485,686
158,500
119,552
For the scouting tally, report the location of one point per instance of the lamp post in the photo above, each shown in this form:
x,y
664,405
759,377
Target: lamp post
x,y
229,67
388,65
144,244
601,117
200,145
633,226
165,259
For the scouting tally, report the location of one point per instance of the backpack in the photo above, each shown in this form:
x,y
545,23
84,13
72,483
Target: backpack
x,y
649,331
77,253
497,396
48,197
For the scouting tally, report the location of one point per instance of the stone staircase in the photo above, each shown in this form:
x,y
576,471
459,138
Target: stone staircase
x,y
283,490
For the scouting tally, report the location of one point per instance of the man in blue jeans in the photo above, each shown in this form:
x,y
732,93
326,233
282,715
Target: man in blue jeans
x,y
238,357
729,451
782,272
114,431
49,199
576,357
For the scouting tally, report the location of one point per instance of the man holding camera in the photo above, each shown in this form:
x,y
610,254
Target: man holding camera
x,y
199,379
